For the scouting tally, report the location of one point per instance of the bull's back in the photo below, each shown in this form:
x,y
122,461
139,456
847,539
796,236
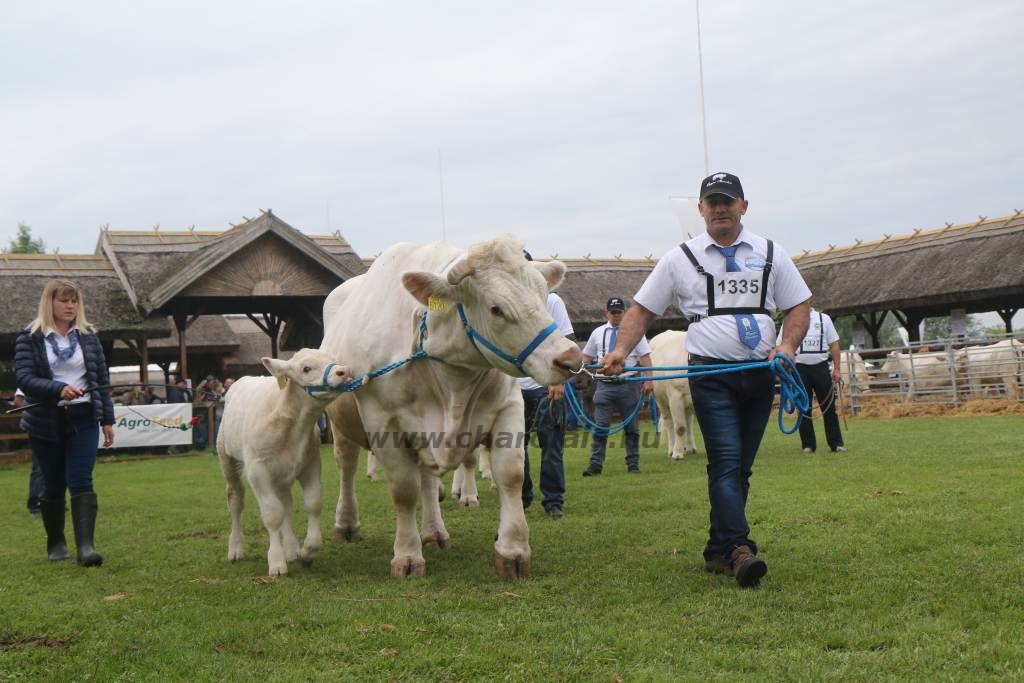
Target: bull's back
x,y
371,321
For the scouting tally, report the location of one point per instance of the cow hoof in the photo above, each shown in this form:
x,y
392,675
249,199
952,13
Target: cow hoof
x,y
679,457
236,556
408,566
438,540
511,567
456,494
275,572
469,503
347,534
307,562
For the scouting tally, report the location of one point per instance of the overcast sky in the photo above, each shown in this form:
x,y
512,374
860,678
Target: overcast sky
x,y
570,123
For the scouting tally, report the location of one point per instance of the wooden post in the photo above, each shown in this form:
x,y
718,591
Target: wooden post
x,y
144,352
180,324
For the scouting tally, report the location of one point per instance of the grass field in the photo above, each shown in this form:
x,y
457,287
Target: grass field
x,y
900,560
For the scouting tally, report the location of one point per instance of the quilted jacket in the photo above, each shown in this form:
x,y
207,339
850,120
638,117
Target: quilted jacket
x,y
35,378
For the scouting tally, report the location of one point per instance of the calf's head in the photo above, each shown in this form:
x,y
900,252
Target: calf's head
x,y
311,370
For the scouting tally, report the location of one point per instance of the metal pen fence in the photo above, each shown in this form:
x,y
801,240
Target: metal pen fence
x,y
941,372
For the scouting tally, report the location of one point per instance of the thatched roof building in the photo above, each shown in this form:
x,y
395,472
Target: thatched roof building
x,y
261,265
23,277
975,267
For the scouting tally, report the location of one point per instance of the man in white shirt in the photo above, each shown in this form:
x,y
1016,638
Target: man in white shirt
x,y
812,360
727,282
545,414
615,394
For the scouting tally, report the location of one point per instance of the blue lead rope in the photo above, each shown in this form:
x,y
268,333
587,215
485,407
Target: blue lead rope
x,y
354,384
792,394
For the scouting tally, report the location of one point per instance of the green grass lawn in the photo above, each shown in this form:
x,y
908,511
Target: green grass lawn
x,y
900,560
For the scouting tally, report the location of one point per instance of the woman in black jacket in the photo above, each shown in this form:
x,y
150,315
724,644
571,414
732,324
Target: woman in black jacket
x,y
56,358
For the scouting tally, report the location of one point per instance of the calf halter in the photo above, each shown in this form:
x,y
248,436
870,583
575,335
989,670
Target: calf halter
x,y
517,361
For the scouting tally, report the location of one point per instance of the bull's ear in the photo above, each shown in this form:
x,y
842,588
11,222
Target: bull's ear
x,y
553,272
424,286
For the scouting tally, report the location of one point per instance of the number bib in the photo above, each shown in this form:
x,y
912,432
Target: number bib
x,y
740,290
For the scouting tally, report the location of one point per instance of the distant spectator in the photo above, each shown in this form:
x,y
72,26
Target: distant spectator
x,y
208,392
135,397
224,389
151,397
179,393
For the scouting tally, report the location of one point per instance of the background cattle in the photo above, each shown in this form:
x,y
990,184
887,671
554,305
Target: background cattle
x,y
859,377
675,406
922,373
986,366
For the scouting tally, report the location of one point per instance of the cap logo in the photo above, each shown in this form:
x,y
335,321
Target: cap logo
x,y
718,176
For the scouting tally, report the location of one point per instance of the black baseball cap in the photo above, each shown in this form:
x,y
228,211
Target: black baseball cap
x,y
721,183
615,304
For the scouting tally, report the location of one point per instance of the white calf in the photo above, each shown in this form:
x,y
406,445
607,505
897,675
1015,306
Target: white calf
x,y
269,432
673,395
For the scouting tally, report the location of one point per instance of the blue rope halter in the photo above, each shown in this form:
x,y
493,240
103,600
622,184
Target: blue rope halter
x,y
517,361
354,384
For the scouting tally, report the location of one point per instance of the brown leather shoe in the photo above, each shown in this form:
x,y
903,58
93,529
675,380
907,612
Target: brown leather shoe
x,y
747,567
717,565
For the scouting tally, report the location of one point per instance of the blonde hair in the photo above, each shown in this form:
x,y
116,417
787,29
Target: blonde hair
x,y
52,290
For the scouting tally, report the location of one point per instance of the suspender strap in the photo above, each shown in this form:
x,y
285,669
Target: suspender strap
x,y
710,281
767,272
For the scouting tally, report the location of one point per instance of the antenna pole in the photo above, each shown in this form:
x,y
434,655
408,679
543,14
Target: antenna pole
x,y
440,178
703,113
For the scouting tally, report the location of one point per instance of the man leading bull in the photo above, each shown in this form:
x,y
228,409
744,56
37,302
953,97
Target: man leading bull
x,y
727,282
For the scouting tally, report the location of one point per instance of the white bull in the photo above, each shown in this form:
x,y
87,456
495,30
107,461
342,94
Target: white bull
x,y
675,406
427,416
998,363
927,371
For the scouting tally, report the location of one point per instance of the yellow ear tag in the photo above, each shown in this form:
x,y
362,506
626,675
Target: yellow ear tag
x,y
281,382
436,303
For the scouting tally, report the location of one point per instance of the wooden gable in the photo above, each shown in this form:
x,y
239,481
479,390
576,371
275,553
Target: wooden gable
x,y
268,266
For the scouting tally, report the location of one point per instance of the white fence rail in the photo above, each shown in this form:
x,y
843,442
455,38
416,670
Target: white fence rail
x,y
946,371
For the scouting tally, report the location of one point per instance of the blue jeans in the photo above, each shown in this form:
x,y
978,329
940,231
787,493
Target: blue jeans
x,y
611,397
68,461
732,410
549,424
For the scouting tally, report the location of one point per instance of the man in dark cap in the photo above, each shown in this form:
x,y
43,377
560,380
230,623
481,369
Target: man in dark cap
x,y
615,394
727,282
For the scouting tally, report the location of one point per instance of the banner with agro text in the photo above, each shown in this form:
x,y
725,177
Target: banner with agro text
x,y
164,424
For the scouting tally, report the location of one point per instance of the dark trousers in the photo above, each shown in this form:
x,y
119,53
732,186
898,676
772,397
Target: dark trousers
x,y
610,398
732,410
36,486
549,423
67,462
818,379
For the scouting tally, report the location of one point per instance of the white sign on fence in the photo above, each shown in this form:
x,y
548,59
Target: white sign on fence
x,y
154,425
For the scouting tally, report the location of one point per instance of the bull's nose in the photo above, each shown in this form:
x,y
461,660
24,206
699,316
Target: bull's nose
x,y
570,360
